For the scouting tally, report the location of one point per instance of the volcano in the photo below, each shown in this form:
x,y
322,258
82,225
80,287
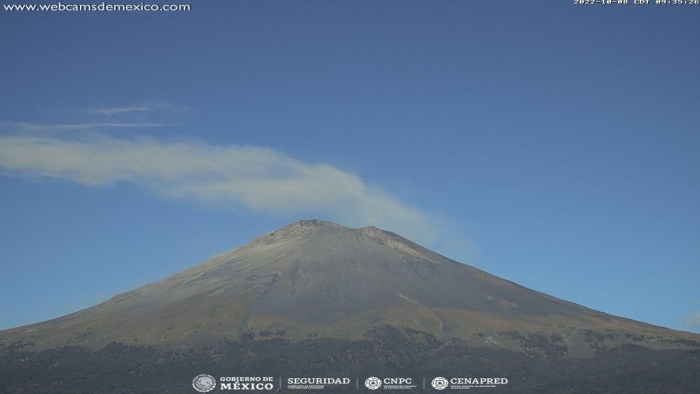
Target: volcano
x,y
315,281
319,279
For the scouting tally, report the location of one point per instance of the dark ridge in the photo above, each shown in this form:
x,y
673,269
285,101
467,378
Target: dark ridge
x,y
384,351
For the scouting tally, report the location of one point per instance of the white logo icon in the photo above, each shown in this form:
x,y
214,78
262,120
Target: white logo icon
x,y
204,383
440,383
373,383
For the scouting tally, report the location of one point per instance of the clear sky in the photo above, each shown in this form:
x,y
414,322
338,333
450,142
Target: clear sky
x,y
551,144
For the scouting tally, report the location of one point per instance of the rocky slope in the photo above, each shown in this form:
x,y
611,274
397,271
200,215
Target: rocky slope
x,y
315,279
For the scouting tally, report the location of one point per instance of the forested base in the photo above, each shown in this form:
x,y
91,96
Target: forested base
x,y
387,352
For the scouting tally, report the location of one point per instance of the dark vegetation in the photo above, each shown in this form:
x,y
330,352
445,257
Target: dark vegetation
x,y
386,352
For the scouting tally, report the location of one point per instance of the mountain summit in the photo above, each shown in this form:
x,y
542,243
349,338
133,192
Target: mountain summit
x,y
319,279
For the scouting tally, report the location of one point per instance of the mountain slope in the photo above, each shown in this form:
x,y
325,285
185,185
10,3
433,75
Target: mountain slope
x,y
318,279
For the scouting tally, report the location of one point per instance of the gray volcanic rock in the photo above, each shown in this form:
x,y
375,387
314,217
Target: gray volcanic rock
x,y
319,279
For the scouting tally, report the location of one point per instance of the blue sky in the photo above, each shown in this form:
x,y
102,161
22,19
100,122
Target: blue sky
x,y
550,144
